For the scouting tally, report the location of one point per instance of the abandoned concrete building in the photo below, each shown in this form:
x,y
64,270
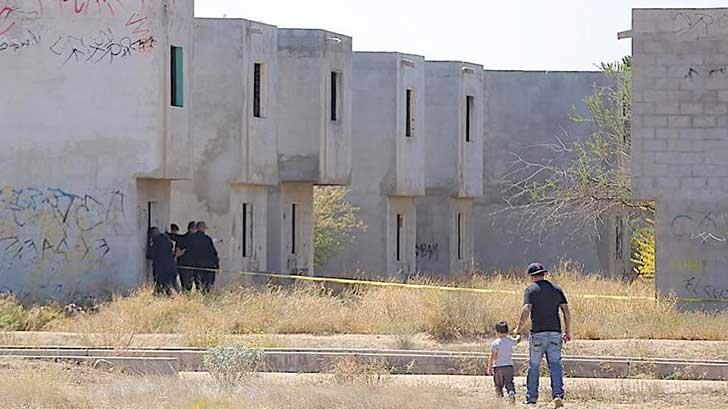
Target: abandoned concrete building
x,y
314,138
263,136
680,144
233,158
139,114
388,140
454,171
96,127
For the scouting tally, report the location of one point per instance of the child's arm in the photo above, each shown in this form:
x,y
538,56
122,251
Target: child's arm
x,y
491,362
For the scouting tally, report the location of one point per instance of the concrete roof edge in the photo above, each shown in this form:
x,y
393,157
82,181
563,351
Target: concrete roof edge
x,y
216,19
399,53
473,64
547,71
315,29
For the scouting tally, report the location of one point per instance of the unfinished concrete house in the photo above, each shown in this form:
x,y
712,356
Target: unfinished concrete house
x,y
233,123
680,144
96,126
388,142
453,167
314,139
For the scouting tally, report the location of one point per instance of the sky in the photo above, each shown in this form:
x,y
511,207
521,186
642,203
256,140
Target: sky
x,y
499,34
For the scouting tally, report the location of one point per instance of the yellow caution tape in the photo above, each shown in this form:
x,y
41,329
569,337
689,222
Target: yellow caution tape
x,y
351,281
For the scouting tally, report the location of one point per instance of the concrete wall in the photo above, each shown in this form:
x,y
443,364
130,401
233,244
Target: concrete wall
x,y
73,213
388,165
290,236
454,167
314,148
524,111
680,142
234,152
445,238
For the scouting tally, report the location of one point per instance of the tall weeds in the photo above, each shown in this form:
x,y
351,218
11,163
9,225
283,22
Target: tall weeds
x,y
445,315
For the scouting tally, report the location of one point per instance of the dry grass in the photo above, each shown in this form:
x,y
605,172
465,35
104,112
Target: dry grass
x,y
312,309
38,385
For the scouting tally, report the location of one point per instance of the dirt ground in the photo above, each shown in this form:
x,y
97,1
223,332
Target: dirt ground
x,y
36,385
698,350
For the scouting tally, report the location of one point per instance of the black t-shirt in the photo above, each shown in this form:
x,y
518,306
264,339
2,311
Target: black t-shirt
x,y
545,299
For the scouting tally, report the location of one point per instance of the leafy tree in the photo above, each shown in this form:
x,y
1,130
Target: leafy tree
x,y
335,222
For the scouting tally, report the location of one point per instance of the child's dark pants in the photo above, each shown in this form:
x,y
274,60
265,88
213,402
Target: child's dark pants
x,y
503,377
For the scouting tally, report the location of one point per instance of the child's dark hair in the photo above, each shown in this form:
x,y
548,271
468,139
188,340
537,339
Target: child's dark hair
x,y
501,327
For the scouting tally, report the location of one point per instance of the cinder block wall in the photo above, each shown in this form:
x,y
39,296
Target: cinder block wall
x,y
680,143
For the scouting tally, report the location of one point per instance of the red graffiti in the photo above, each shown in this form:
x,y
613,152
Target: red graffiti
x,y
82,6
5,24
139,25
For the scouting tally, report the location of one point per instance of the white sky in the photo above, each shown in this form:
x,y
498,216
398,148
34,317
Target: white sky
x,y
500,34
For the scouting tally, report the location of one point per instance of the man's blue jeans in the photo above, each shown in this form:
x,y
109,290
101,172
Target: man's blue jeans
x,y
549,344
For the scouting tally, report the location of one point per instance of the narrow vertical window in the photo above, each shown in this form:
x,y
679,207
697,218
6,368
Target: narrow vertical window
x,y
177,76
334,95
469,111
293,228
460,235
245,230
619,239
257,68
399,236
150,209
409,117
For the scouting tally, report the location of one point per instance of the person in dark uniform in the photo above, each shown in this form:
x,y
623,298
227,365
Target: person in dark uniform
x,y
187,257
173,231
164,267
205,257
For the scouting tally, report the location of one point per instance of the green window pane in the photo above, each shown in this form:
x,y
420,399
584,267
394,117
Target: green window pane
x,y
177,76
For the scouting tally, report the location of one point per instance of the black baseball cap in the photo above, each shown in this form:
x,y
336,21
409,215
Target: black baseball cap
x,y
535,269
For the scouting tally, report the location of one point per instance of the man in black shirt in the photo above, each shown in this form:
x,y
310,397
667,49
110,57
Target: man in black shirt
x,y
163,263
205,257
187,258
542,300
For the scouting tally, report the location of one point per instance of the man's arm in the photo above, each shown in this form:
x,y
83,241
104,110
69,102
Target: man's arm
x,y
213,252
567,321
491,362
525,314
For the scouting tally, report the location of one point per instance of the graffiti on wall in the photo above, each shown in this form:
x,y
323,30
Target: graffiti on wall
x,y
125,32
427,251
50,231
698,288
699,25
706,228
101,46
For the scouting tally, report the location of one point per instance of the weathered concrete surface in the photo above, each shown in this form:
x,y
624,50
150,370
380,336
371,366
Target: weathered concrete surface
x,y
523,112
91,141
234,151
313,146
454,167
680,142
290,232
388,166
